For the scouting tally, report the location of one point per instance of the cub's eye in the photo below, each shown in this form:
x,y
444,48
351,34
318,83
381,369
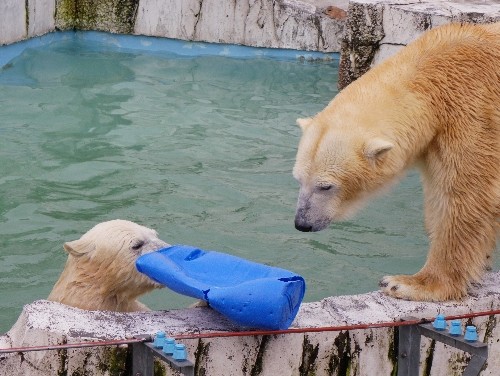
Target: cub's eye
x,y
137,245
325,187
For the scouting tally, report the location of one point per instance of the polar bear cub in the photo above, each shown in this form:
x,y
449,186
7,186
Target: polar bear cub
x,y
100,272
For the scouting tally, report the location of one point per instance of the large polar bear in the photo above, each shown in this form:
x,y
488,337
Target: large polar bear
x,y
100,272
436,105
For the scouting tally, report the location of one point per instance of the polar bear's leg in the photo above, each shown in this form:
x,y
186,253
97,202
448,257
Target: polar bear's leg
x,y
462,226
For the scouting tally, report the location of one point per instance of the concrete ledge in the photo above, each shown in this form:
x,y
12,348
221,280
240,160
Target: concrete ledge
x,y
360,351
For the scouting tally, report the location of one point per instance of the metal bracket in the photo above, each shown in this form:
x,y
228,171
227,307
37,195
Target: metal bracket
x,y
143,354
409,348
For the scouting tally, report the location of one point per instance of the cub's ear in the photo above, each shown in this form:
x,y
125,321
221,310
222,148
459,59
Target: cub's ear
x,y
80,247
377,147
304,123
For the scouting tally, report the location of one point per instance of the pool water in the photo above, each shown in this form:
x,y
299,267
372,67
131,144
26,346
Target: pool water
x,y
200,149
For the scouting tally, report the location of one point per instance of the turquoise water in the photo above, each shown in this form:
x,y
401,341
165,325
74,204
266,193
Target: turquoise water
x,y
200,149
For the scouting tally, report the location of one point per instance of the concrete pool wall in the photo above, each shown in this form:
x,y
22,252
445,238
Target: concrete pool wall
x,y
365,32
277,24
367,352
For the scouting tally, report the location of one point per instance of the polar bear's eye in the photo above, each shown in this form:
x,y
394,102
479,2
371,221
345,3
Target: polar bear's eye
x,y
325,187
137,245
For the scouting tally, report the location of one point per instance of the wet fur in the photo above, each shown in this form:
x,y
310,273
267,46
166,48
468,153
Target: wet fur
x,y
100,272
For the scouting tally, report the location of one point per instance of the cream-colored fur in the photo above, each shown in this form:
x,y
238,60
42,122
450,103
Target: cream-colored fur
x,y
436,105
100,272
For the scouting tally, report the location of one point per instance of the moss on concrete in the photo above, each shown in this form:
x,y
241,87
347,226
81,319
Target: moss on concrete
x,y
258,366
114,361
362,36
309,356
429,359
393,350
116,16
339,363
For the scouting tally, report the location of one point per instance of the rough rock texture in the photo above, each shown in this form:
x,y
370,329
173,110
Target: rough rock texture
x,y
326,353
12,21
115,16
296,24
264,23
376,29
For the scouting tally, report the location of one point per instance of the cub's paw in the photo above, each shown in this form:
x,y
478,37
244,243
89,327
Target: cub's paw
x,y
420,287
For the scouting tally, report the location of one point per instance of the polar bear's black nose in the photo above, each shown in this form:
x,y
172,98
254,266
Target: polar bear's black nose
x,y
303,228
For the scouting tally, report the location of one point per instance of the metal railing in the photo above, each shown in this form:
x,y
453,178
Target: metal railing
x,y
409,347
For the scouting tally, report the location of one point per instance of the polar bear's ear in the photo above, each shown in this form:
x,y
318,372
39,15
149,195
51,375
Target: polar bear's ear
x,y
376,147
79,247
304,123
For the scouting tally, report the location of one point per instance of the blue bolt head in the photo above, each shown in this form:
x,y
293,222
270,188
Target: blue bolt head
x,y
439,323
470,334
159,340
456,328
180,353
169,346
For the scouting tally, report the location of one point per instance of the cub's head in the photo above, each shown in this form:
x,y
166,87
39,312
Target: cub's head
x,y
107,253
338,169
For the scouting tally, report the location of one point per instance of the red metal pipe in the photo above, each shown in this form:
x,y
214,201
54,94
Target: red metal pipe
x,y
63,346
390,324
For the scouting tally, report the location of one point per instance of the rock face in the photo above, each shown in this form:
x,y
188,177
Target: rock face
x,y
296,24
278,24
324,353
376,29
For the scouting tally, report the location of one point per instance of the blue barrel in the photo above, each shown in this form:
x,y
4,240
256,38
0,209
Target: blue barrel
x,y
248,293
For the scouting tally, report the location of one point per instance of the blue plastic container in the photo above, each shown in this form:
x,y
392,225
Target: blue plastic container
x,y
248,293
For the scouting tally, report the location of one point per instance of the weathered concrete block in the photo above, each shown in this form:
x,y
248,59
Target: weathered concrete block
x,y
361,351
115,16
40,17
263,23
362,35
377,29
12,21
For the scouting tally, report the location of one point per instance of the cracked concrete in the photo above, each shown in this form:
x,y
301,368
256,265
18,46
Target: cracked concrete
x,y
377,29
293,24
260,23
322,353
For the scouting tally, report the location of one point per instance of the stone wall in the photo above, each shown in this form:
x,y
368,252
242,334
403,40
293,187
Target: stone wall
x,y
376,29
348,352
303,25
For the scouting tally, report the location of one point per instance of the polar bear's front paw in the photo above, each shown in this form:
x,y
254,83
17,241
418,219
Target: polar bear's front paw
x,y
422,286
398,287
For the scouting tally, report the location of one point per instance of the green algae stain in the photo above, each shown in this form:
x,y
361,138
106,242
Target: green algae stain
x,y
115,361
115,16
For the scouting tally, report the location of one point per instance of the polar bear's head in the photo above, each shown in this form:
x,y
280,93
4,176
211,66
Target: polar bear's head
x,y
338,168
100,272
